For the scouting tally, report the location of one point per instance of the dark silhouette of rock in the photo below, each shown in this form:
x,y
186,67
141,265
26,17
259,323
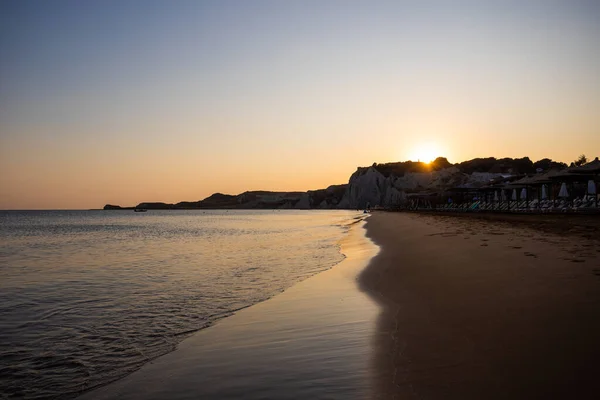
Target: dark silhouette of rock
x,y
155,206
112,207
379,185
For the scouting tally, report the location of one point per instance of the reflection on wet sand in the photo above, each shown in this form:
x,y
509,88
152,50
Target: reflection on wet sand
x,y
312,341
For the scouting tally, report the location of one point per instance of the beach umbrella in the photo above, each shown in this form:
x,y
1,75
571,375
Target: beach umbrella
x,y
563,191
544,193
591,187
523,194
496,196
514,195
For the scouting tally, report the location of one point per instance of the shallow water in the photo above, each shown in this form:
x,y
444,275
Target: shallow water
x,y
314,341
87,297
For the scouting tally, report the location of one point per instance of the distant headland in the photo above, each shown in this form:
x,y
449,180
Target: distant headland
x,y
324,198
384,185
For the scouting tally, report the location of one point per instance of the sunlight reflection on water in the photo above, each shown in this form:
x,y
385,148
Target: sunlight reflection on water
x,y
89,296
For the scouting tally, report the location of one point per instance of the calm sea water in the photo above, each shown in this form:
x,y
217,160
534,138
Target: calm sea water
x,y
87,297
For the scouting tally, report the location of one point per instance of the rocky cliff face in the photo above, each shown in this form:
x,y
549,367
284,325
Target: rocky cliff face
x,y
368,186
389,184
386,185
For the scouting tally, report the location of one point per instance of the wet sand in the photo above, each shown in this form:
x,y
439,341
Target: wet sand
x,y
475,308
313,341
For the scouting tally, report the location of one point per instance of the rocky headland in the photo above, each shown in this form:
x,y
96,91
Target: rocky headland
x,y
379,185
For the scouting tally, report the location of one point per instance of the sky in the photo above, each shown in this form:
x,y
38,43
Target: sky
x,y
127,101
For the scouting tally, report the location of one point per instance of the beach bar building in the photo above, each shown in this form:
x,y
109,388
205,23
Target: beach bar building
x,y
587,176
570,189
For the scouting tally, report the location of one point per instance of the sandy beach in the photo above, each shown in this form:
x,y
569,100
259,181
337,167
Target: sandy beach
x,y
445,308
480,308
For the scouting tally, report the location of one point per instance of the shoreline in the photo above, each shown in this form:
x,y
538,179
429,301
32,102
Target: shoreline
x,y
474,308
313,340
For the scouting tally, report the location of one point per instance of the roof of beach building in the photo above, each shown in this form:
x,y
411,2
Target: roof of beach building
x,y
469,187
591,167
526,181
538,179
547,177
568,175
582,173
422,194
502,182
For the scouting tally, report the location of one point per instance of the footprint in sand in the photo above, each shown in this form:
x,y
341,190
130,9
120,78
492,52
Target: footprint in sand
x,y
516,247
528,254
443,234
484,245
596,271
577,260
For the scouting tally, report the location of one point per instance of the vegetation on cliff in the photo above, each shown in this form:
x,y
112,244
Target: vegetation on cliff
x,y
490,164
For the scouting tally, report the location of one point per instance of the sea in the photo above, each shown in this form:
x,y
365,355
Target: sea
x,y
88,297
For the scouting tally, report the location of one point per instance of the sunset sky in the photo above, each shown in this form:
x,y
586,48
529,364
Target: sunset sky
x,y
128,101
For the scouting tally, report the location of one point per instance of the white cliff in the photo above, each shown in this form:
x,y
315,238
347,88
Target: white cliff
x,y
365,187
369,186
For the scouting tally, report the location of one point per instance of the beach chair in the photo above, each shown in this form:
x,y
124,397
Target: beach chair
x,y
562,205
534,205
545,205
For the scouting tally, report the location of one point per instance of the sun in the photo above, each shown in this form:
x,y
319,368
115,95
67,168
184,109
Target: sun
x,y
425,152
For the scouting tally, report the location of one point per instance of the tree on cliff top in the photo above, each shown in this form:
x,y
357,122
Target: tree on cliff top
x,y
440,163
493,165
403,167
581,160
548,164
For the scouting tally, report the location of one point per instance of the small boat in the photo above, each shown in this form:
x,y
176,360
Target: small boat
x,y
139,210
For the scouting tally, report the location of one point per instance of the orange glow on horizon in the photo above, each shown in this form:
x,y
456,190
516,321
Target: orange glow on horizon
x,y
426,152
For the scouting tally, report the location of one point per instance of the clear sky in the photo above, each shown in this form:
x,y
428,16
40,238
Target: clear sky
x,y
128,101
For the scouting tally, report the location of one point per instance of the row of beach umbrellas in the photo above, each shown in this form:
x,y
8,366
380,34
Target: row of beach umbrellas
x,y
591,189
563,193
